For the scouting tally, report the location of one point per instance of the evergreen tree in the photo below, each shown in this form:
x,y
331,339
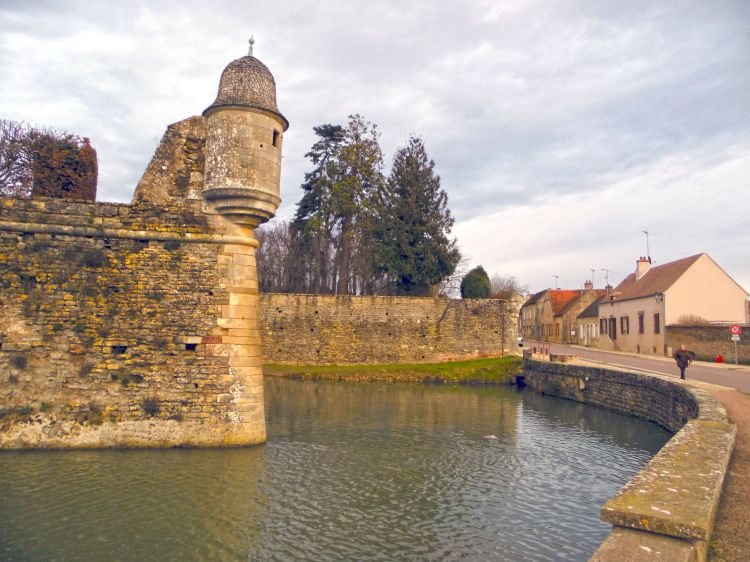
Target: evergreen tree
x,y
413,224
361,177
314,222
331,228
476,284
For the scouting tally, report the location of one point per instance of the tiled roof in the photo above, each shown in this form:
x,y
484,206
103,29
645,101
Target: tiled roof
x,y
572,302
535,297
560,298
247,82
657,280
592,310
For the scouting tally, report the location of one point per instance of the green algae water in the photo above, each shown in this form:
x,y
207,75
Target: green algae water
x,y
350,472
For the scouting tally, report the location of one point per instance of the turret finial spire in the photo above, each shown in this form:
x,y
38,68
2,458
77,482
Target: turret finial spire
x,y
252,42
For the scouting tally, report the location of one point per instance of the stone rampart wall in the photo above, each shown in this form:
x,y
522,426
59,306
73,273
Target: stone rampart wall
x,y
325,330
108,327
667,511
708,341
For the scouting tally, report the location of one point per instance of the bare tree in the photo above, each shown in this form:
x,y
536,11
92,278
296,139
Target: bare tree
x,y
15,159
272,256
450,287
504,287
692,319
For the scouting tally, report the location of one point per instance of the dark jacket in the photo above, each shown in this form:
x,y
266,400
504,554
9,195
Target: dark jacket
x,y
683,358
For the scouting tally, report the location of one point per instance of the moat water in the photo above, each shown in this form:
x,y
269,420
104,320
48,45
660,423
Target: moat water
x,y
350,472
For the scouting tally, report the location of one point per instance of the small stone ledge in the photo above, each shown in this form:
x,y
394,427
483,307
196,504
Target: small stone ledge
x,y
629,545
677,493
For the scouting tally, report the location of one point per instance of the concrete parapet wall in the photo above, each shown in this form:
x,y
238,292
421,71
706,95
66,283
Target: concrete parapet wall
x,y
331,330
667,511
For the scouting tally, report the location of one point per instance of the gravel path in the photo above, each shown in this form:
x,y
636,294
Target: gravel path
x,y
731,539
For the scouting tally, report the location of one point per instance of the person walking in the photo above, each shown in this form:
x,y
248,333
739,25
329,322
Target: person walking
x,y
683,357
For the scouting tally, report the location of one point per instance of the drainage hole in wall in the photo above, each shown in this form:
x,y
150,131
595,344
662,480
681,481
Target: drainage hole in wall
x,y
118,349
191,346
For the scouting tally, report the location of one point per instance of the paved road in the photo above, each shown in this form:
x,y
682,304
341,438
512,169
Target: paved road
x,y
724,375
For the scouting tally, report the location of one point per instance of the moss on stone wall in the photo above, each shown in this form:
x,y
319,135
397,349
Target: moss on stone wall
x,y
94,327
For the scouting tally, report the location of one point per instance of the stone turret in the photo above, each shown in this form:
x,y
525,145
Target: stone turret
x,y
243,144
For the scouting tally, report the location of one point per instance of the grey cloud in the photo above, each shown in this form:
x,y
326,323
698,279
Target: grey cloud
x,y
518,102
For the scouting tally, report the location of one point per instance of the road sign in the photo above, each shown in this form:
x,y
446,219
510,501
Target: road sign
x,y
735,337
735,329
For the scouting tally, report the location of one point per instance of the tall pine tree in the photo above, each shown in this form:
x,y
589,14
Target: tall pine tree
x,y
332,224
414,247
314,222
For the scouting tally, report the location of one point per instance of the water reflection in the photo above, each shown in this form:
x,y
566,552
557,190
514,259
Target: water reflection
x,y
350,472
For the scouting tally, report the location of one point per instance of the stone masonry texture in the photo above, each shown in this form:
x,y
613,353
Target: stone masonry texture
x,y
330,330
122,326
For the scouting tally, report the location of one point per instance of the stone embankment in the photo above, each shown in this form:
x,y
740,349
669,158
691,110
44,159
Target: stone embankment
x,y
667,511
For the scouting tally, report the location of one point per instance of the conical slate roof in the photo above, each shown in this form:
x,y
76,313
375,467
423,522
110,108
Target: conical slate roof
x,y
247,82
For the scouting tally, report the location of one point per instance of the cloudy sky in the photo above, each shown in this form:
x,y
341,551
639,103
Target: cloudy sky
x,y
561,130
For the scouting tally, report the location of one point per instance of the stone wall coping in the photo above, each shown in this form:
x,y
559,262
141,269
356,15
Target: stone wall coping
x,y
677,493
121,233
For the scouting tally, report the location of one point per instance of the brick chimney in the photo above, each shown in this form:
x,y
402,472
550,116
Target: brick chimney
x,y
588,286
641,267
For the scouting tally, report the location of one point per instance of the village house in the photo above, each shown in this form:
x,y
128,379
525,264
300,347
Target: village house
x,y
551,315
637,316
588,323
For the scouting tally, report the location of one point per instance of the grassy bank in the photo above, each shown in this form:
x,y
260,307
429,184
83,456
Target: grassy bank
x,y
500,370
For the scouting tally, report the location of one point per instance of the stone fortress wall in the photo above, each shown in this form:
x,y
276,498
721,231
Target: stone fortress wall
x,y
120,326
138,325
115,327
331,330
667,511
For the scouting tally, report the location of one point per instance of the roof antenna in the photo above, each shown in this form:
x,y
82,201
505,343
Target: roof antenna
x,y
556,278
606,274
250,50
648,253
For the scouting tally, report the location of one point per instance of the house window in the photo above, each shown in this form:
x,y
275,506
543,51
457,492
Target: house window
x,y
624,324
603,326
557,330
275,137
640,322
613,328
657,323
